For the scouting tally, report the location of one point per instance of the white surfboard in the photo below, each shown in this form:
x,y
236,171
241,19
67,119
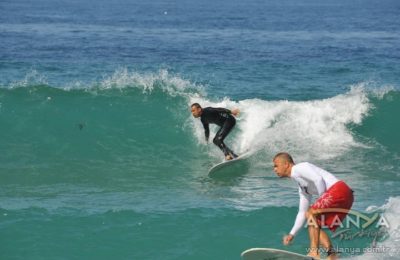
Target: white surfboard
x,y
272,254
230,167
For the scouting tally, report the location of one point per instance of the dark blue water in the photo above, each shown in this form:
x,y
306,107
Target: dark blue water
x,y
270,49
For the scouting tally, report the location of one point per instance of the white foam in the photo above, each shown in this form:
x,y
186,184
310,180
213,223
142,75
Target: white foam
x,y
32,78
149,82
171,84
374,89
307,129
390,247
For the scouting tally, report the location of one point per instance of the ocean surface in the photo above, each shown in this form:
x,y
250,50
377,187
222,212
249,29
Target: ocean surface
x,y
100,157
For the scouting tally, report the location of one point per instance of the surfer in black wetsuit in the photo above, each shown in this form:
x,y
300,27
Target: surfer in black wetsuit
x,y
221,117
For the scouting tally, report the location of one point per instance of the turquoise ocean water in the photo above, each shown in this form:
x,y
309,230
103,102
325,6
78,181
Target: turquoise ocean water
x,y
101,159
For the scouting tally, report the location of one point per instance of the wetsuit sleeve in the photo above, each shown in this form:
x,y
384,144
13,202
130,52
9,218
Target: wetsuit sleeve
x,y
223,110
305,200
206,129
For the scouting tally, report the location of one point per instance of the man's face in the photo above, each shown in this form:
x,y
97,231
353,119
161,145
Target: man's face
x,y
196,111
281,167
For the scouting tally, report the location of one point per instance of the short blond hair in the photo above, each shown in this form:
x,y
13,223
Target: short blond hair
x,y
285,157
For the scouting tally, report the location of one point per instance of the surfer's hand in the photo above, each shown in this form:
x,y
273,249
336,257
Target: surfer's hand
x,y
235,111
287,239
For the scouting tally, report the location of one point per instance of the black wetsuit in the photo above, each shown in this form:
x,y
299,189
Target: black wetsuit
x,y
223,118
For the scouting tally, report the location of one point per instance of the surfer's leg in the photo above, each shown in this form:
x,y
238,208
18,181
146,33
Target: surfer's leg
x,y
314,233
219,141
325,242
220,136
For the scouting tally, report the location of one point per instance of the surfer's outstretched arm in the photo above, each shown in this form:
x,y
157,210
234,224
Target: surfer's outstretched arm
x,y
206,130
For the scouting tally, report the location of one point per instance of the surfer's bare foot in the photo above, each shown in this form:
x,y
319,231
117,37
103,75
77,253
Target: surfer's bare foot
x,y
332,257
314,255
332,254
228,157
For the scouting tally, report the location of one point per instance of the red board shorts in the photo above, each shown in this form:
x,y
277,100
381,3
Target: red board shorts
x,y
339,196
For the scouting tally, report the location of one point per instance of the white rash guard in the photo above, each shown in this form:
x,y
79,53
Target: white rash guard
x,y
312,180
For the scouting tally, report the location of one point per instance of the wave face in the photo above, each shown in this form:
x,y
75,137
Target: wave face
x,y
130,112
133,125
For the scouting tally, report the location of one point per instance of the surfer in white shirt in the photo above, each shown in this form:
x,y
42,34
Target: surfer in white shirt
x,y
333,194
